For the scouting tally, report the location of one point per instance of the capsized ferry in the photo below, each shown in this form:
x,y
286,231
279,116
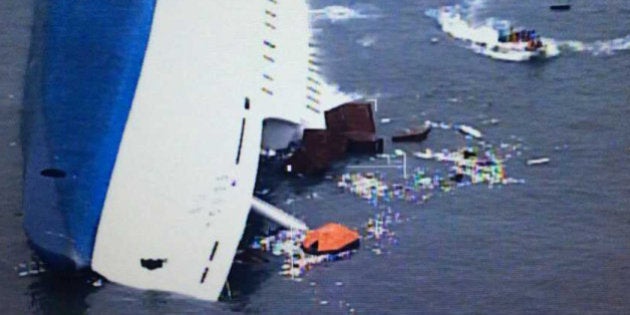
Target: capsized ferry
x,y
142,129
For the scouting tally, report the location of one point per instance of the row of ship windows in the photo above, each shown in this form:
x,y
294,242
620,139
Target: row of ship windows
x,y
270,59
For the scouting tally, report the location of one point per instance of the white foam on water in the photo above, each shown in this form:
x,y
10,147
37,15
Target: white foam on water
x,y
335,96
367,40
330,94
597,48
468,28
459,22
472,8
336,13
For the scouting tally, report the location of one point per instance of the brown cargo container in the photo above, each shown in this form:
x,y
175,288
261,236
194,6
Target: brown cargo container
x,y
350,128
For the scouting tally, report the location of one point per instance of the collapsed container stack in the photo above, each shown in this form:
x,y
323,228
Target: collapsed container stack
x,y
350,128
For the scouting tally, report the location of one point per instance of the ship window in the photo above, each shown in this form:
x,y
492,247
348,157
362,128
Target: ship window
x,y
203,275
312,108
240,142
266,90
247,103
312,89
214,250
316,101
53,172
269,44
313,80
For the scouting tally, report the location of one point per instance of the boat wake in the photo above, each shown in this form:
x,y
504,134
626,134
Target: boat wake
x,y
472,8
494,38
596,48
462,23
337,13
469,10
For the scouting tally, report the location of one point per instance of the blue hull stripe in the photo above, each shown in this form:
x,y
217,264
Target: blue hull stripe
x,y
90,61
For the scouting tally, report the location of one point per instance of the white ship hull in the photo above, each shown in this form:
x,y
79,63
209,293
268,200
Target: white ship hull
x,y
182,184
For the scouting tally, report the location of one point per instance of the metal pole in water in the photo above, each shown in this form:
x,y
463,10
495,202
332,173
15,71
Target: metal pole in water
x,y
404,156
277,215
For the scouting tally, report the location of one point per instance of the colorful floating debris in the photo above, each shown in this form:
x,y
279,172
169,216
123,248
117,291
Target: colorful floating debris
x,y
479,163
469,165
288,243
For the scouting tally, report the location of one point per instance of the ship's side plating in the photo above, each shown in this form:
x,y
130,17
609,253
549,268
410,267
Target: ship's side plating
x,y
182,185
142,157
85,61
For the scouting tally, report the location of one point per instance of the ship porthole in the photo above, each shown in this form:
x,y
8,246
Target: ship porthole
x,y
247,103
53,172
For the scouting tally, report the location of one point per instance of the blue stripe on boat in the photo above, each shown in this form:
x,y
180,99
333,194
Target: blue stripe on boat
x,y
90,55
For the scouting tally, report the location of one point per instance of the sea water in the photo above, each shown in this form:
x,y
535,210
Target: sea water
x,y
559,243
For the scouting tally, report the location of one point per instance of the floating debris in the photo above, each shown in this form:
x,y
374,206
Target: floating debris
x,y
426,155
367,185
418,134
492,121
22,270
262,192
268,152
386,120
367,41
538,161
469,165
470,131
288,243
560,7
98,283
34,267
445,126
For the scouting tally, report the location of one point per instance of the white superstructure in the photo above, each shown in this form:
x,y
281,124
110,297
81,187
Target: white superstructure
x,y
182,184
